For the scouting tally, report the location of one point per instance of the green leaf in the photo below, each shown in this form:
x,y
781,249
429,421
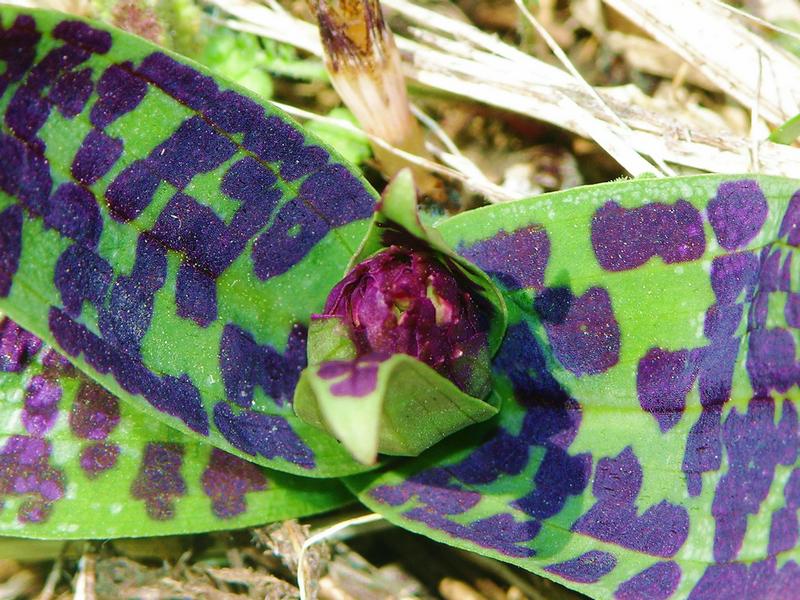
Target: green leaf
x,y
647,445
354,147
788,132
394,405
76,463
170,233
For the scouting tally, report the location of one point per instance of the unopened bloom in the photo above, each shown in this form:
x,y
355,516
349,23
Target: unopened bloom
x,y
404,301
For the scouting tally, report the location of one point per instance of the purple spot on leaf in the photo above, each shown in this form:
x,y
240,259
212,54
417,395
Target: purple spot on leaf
x,y
25,470
663,380
626,238
98,458
227,479
245,365
589,567
94,413
661,529
159,482
83,35
41,405
10,246
97,154
17,346
517,259
119,92
737,213
587,340
270,436
360,375
755,446
654,583
790,225
74,213
71,91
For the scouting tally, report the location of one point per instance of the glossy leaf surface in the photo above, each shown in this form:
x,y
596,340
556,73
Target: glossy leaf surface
x,y
647,445
75,462
169,233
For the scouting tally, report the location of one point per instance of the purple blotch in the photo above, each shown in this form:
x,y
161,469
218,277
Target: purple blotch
x,y
98,458
131,191
737,212
769,277
17,49
94,413
194,148
771,360
196,295
245,364
159,482
187,226
25,174
440,498
119,91
174,396
654,583
17,346
97,154
660,531
281,142
179,396
783,530
25,470
553,304
734,581
626,238
329,198
270,436
663,380
74,214
703,449
182,82
517,259
41,405
755,446
71,91
83,35
10,246
126,318
792,310
731,274
790,225
587,340
227,479
589,567
360,375
81,275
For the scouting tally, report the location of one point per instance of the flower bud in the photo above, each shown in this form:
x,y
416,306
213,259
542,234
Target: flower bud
x,y
404,301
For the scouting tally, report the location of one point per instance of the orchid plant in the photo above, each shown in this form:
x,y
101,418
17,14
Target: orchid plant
x,y
212,322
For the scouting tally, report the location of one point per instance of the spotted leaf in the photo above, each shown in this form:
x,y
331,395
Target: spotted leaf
x,y
647,445
169,233
75,462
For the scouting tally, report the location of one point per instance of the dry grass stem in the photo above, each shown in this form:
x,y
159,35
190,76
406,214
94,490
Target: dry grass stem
x,y
454,57
715,42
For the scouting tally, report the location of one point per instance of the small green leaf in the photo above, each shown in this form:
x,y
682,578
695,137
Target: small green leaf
x,y
354,147
394,405
788,132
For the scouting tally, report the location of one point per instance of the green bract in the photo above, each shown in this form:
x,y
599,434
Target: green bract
x,y
171,237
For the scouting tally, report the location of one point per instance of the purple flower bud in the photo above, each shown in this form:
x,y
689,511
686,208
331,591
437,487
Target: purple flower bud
x,y
407,301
